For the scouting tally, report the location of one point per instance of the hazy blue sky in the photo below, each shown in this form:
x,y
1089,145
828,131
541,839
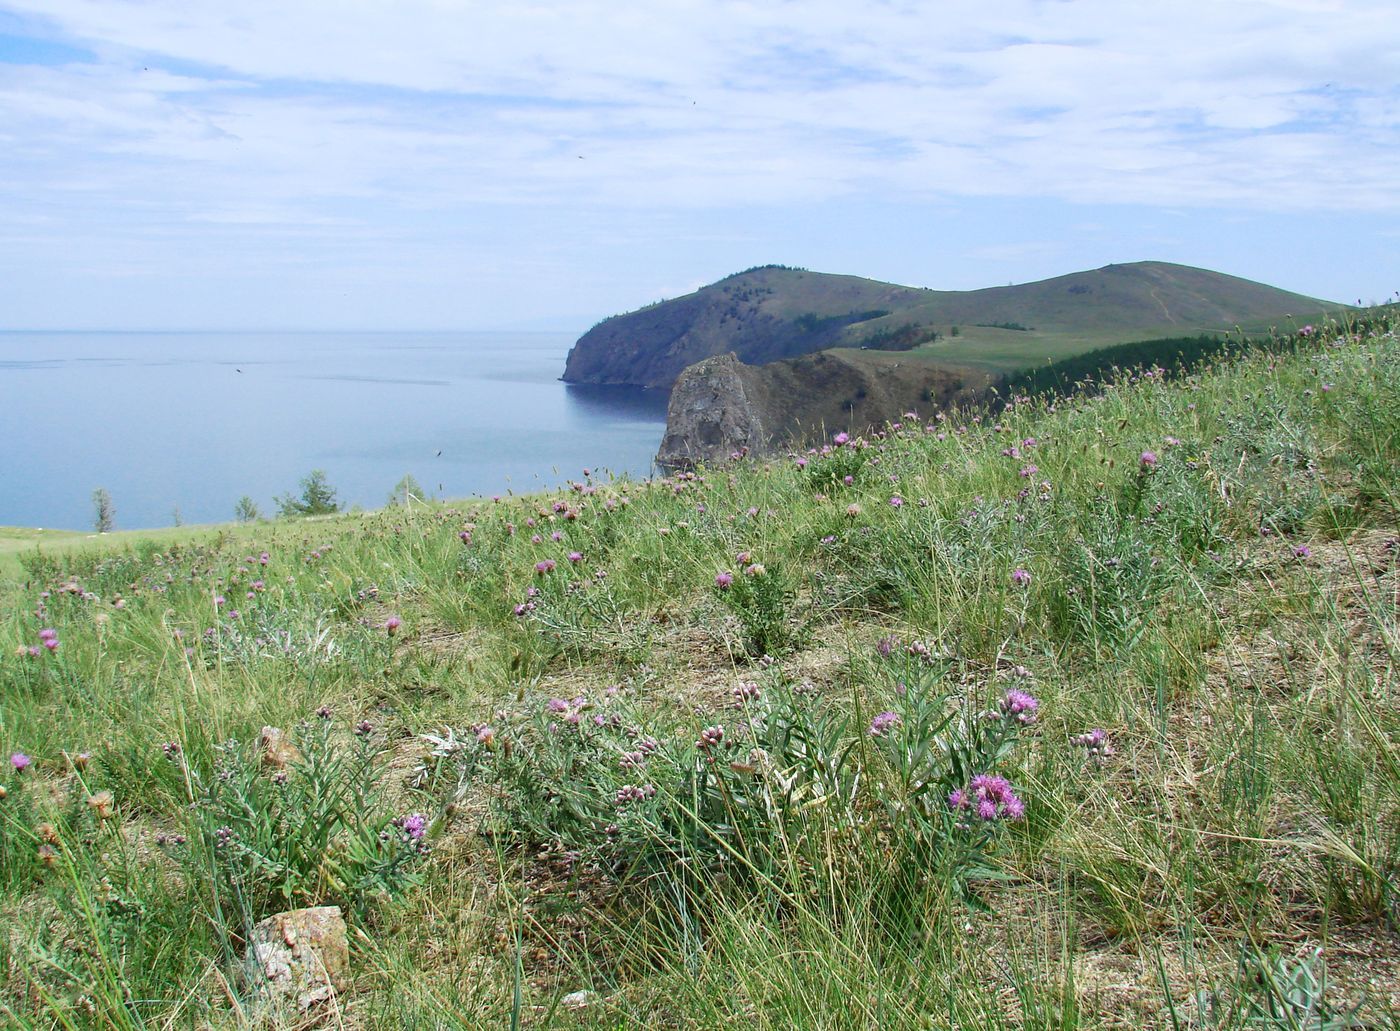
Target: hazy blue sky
x,y
445,163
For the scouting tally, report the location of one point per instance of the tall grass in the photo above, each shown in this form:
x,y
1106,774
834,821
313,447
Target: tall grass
x,y
700,752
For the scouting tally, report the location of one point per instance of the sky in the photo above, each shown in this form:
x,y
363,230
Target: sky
x,y
454,164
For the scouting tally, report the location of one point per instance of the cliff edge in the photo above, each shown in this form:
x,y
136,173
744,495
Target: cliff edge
x,y
721,405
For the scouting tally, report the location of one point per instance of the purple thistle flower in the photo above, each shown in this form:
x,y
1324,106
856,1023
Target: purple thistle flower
x,y
884,722
1148,459
414,825
724,580
1020,577
1095,743
1020,706
392,625
20,762
709,738
990,796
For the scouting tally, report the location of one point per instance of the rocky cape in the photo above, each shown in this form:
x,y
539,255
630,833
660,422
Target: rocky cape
x,y
722,406
772,313
774,356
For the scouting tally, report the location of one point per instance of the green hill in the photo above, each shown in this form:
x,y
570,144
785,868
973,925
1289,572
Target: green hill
x,y
772,313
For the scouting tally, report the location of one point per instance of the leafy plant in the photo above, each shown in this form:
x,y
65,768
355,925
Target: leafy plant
x,y
760,596
302,822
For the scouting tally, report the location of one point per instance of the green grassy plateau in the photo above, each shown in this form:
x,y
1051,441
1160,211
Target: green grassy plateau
x,y
1078,714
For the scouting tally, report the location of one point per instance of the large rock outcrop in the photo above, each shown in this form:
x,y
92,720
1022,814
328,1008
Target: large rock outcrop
x,y
721,405
711,414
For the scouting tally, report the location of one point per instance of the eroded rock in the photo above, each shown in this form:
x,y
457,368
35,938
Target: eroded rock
x,y
710,415
721,405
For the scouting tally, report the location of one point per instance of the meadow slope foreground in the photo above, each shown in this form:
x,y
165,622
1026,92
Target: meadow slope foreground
x,y
1075,712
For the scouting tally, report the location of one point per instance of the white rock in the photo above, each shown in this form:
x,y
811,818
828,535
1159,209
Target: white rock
x,y
577,1000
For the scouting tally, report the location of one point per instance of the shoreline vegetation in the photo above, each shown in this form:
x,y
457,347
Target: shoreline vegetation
x,y
1077,712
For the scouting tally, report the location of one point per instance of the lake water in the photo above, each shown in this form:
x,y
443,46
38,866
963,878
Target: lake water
x,y
194,421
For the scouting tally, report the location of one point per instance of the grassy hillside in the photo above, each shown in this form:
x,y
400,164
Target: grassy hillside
x,y
18,543
1082,716
773,313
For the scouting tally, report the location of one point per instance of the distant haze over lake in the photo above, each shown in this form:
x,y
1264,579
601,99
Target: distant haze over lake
x,y
195,421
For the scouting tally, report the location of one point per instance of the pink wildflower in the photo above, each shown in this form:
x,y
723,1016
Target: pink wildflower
x,y
884,722
990,796
1020,706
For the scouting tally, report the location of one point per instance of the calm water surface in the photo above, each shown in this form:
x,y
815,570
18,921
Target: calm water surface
x,y
193,421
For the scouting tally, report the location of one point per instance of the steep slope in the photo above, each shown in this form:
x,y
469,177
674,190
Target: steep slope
x,y
772,313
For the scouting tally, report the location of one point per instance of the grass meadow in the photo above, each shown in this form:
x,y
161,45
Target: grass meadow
x,y
1081,713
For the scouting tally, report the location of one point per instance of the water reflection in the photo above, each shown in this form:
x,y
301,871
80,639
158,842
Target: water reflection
x,y
640,403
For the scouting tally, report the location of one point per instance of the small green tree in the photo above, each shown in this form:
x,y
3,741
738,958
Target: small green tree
x,y
406,491
317,497
246,511
104,512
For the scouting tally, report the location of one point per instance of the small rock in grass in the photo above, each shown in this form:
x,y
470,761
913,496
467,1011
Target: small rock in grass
x,y
299,958
277,752
577,1000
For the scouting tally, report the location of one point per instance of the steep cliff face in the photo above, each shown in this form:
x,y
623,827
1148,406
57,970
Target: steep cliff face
x,y
721,405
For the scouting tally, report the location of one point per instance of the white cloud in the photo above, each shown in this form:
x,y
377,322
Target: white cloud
x,y
328,124
712,103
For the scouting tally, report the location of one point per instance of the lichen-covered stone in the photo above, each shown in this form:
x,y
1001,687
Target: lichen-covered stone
x,y
298,959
